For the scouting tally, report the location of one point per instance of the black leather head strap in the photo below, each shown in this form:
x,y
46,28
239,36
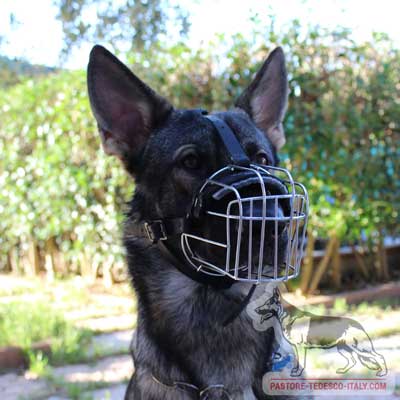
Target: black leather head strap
x,y
235,150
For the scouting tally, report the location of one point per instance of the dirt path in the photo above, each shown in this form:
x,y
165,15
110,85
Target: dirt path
x,y
106,378
110,373
103,379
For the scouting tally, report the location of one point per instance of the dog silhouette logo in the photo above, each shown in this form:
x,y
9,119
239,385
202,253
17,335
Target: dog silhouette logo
x,y
304,331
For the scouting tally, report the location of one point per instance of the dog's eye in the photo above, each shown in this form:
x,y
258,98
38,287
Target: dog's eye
x,y
191,161
262,158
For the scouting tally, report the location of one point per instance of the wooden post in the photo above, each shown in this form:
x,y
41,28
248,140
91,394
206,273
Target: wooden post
x,y
308,263
323,265
336,265
360,262
385,265
382,258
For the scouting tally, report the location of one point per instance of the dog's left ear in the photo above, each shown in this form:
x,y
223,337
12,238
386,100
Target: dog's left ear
x,y
276,293
265,99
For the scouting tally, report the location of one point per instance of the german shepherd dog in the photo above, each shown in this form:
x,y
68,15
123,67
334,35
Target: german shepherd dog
x,y
181,350
305,331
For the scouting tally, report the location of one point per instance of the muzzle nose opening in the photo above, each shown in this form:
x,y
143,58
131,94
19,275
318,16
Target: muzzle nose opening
x,y
270,209
257,209
256,233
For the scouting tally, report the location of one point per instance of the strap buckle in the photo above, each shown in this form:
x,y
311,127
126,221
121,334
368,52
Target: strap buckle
x,y
155,230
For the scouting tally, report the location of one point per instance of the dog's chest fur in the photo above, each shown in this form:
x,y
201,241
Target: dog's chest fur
x,y
180,335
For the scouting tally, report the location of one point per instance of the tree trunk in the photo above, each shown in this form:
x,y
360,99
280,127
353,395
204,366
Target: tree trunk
x,y
85,267
49,263
107,275
49,267
32,266
56,256
13,260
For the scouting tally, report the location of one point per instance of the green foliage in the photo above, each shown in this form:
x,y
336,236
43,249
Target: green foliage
x,y
22,324
343,132
342,137
76,390
38,363
58,312
55,179
128,24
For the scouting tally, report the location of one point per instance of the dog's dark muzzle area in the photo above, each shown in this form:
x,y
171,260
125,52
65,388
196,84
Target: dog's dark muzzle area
x,y
247,223
257,199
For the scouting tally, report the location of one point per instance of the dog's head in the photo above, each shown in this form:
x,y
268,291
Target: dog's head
x,y
170,152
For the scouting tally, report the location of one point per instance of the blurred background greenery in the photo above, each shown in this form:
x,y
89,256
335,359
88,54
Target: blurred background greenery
x,y
62,199
64,294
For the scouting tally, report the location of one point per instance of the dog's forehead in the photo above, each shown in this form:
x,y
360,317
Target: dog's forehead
x,y
245,129
191,127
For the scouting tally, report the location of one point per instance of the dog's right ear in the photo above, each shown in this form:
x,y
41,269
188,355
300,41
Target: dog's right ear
x,y
126,109
265,99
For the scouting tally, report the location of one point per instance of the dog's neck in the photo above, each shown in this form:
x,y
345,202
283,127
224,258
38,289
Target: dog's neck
x,y
141,208
169,299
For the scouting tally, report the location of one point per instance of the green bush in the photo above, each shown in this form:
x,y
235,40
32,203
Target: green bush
x,y
342,132
55,180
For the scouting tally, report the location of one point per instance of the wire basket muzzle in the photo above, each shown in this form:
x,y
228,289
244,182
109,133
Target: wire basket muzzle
x,y
248,223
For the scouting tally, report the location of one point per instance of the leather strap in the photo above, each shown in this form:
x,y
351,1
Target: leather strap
x,y
236,153
160,232
217,282
243,304
158,229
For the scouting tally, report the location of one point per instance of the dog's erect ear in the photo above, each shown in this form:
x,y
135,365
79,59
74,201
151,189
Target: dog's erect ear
x,y
125,108
265,99
276,293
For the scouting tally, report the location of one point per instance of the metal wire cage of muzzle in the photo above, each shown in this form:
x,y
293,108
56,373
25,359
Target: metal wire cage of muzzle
x,y
265,218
